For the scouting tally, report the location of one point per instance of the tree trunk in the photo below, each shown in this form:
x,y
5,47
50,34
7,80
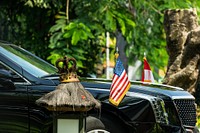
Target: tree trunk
x,y
121,43
183,46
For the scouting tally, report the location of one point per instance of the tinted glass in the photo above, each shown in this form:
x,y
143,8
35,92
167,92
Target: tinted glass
x,y
27,61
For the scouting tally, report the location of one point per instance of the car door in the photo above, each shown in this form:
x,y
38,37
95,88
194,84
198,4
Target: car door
x,y
13,101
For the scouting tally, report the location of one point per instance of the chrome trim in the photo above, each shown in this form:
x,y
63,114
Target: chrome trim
x,y
157,84
107,90
22,83
182,97
98,131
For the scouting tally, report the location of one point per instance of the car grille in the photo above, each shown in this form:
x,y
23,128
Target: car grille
x,y
187,111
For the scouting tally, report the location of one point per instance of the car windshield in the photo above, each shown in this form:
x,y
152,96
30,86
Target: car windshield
x,y
27,61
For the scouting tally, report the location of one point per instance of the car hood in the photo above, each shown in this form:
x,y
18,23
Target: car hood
x,y
158,90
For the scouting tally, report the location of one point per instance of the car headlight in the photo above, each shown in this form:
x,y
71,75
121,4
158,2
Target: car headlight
x,y
158,106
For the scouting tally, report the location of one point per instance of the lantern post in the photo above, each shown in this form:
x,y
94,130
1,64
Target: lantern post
x,y
70,101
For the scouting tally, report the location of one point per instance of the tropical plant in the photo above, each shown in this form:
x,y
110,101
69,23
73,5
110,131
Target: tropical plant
x,y
78,28
83,36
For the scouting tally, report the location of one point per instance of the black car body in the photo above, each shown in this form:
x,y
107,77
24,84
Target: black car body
x,y
24,78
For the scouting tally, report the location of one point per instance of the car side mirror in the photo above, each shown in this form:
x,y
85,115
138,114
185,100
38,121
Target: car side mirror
x,y
5,80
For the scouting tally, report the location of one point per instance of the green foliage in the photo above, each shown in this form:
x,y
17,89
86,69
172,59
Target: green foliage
x,y
41,26
77,31
25,26
71,39
83,36
149,35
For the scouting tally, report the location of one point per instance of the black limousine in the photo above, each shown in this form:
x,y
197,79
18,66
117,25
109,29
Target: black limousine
x,y
146,108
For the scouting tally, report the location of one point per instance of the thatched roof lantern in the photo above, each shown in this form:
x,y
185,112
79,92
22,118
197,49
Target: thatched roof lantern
x,y
69,95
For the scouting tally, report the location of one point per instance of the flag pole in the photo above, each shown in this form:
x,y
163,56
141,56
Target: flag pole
x,y
117,53
107,55
144,55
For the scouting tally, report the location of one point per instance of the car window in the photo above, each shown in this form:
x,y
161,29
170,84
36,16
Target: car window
x,y
27,61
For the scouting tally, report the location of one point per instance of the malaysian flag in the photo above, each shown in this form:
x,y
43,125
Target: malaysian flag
x,y
120,84
147,75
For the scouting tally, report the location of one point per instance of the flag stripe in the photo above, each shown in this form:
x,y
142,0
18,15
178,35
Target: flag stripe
x,y
113,84
124,92
117,96
116,102
118,83
114,80
121,86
